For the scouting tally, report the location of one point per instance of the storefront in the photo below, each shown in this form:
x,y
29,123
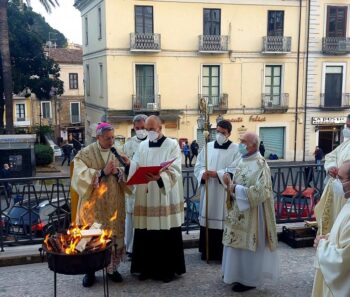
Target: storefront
x,y
329,132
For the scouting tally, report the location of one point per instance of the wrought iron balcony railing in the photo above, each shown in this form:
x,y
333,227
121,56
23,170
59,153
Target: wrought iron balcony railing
x,y
336,45
218,103
146,103
213,44
275,104
276,45
329,105
145,42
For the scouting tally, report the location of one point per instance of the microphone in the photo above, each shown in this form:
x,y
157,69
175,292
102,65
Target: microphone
x,y
115,153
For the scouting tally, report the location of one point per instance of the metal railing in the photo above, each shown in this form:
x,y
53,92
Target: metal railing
x,y
146,103
218,103
145,42
213,43
271,103
345,102
44,202
276,45
336,45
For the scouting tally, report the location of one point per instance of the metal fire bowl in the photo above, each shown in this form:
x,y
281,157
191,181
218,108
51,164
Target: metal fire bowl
x,y
81,263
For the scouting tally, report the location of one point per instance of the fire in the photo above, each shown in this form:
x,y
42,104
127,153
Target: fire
x,y
106,235
102,189
114,217
46,240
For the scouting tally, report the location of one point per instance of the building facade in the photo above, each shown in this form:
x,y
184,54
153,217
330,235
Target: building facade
x,y
247,58
327,84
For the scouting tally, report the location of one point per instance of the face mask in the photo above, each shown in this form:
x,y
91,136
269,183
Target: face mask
x,y
153,136
338,188
141,134
243,149
220,138
346,132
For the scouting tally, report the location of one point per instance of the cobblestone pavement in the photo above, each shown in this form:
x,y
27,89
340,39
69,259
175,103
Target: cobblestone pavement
x,y
201,279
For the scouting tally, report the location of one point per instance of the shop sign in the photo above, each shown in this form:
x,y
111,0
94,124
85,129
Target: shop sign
x,y
257,119
328,121
236,120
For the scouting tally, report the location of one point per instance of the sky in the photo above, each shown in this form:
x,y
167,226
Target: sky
x,y
65,18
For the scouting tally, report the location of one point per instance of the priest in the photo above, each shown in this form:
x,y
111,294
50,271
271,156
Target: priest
x,y
333,249
332,199
130,148
250,237
159,208
100,183
223,156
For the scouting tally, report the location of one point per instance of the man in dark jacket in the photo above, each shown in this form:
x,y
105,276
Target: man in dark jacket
x,y
67,151
194,150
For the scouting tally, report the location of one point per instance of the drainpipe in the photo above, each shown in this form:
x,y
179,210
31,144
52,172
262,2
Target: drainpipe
x,y
306,73
297,85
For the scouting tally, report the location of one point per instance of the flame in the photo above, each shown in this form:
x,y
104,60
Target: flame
x,y
75,235
105,236
114,217
46,242
102,189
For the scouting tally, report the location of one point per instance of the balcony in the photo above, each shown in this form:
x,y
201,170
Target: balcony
x,y
345,102
335,45
145,42
276,45
145,103
275,104
218,103
75,119
213,44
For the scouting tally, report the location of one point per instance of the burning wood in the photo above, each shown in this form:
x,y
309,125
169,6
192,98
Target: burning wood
x,y
79,240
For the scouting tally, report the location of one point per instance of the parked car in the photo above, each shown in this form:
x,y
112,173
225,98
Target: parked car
x,y
43,218
57,151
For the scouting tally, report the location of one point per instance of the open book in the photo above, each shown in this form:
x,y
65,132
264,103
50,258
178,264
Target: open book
x,y
139,176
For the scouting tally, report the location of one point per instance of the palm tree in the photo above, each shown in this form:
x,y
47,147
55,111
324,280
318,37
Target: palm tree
x,y
6,61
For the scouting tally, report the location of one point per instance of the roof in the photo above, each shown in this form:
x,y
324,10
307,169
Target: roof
x,y
66,56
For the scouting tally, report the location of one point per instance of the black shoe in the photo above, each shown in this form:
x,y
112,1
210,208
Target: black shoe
x,y
238,287
115,277
89,280
168,278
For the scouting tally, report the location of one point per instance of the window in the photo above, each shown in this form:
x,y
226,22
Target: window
x,y
333,86
87,82
20,112
145,84
86,31
211,84
99,23
275,23
46,109
211,22
336,21
73,80
273,81
101,79
143,19
75,112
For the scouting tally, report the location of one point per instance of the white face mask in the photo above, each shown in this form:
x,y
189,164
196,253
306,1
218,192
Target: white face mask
x,y
220,138
141,134
346,132
338,188
153,136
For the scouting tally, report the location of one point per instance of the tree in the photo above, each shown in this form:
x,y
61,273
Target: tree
x,y
6,62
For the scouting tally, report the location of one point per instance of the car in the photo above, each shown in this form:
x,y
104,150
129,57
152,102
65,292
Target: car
x,y
57,151
43,218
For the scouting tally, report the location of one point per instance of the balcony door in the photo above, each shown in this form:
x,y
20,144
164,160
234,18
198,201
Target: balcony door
x,y
275,23
143,19
273,81
212,22
145,84
336,21
333,86
211,83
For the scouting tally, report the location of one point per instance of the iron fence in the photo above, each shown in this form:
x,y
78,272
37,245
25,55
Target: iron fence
x,y
32,207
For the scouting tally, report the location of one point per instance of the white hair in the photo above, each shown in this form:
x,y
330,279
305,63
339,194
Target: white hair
x,y
139,118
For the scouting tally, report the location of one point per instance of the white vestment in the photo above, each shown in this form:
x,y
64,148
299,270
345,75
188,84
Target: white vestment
x,y
246,266
221,161
159,208
130,148
333,258
330,204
